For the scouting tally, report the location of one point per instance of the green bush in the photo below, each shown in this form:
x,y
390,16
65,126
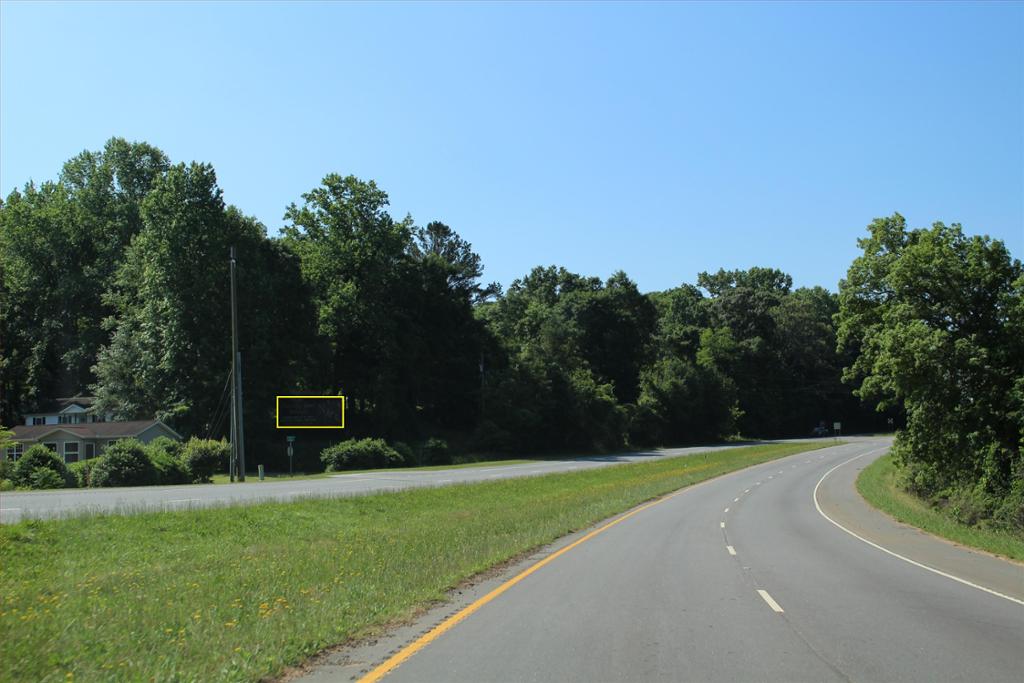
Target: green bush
x,y
45,478
491,438
166,457
40,456
407,452
81,471
203,458
435,452
165,444
124,463
6,485
361,454
1010,513
969,505
6,468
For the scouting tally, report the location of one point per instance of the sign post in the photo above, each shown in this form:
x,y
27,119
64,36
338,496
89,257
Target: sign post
x,y
291,452
837,429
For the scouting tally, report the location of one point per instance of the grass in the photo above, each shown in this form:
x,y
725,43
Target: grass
x,y
877,483
284,476
236,594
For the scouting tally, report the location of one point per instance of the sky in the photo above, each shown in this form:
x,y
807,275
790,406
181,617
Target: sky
x,y
660,139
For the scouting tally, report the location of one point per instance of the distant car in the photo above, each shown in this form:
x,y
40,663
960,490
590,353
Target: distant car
x,y
819,431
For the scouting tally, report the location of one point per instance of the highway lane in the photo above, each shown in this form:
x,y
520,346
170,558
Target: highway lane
x,y
15,506
737,579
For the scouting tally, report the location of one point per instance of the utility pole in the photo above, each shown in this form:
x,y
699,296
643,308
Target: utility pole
x,y
237,443
482,385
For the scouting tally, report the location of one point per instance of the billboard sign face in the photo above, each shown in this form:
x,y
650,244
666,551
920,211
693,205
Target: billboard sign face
x,y
310,412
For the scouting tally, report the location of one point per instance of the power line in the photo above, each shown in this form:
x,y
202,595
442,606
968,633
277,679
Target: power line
x,y
217,413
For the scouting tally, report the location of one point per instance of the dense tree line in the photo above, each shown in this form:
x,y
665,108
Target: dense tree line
x,y
114,281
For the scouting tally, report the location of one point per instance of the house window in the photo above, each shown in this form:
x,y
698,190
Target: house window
x,y
90,450
14,452
71,451
38,420
63,419
52,445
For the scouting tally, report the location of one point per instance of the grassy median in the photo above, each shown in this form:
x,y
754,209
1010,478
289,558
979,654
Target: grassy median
x,y
252,477
877,483
239,593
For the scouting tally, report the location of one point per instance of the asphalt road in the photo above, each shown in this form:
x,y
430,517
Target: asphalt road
x,y
741,578
67,502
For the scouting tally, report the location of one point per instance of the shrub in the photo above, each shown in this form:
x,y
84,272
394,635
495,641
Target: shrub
x,y
203,458
169,469
166,455
81,471
361,454
40,456
6,485
491,438
6,468
167,445
45,478
1010,513
435,452
125,463
406,451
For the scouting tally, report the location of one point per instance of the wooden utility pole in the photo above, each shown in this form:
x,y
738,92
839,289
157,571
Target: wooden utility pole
x,y
237,440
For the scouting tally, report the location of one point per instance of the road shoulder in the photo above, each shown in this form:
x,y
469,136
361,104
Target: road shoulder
x,y
838,499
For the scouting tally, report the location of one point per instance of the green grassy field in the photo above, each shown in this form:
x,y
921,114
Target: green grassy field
x,y
877,484
251,477
237,594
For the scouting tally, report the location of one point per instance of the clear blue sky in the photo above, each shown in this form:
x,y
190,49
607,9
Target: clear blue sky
x,y
661,139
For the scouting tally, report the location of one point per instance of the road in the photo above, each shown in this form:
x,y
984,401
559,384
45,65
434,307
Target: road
x,y
65,502
741,578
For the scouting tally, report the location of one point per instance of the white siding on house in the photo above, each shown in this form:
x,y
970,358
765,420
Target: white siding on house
x,y
47,420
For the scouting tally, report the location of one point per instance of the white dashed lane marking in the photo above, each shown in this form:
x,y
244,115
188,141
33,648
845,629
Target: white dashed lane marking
x,y
732,551
767,598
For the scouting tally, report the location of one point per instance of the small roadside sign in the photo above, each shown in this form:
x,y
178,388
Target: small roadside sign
x,y
837,426
290,439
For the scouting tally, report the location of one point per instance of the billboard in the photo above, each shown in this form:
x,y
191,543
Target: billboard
x,y
310,412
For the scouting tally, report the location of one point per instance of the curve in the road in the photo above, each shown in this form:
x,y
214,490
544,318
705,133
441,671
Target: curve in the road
x,y
774,593
891,552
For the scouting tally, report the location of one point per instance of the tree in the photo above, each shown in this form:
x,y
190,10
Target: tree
x,y
682,314
60,245
443,285
6,440
687,402
935,316
38,276
170,348
394,304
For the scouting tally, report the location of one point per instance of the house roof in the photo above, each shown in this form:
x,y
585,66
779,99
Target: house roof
x,y
58,404
94,430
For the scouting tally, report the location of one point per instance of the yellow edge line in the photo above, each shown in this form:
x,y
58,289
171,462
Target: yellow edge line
x,y
433,634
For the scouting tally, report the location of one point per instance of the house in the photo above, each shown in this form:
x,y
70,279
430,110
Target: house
x,y
74,410
72,430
